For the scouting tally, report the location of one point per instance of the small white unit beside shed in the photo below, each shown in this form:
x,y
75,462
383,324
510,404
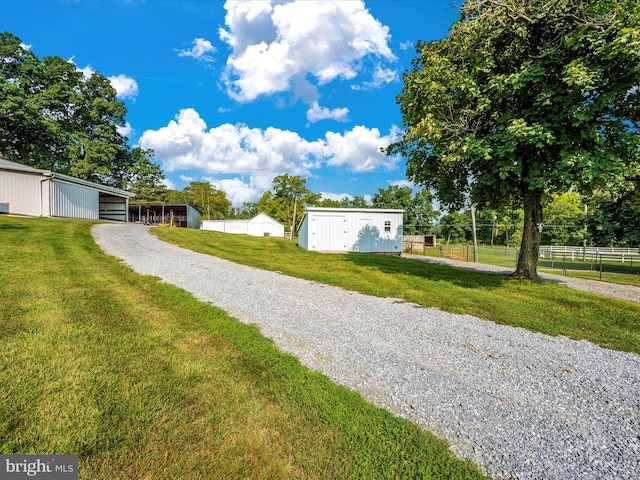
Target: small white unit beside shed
x,y
259,226
42,193
351,230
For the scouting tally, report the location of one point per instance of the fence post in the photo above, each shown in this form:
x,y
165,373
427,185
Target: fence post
x,y
600,266
564,265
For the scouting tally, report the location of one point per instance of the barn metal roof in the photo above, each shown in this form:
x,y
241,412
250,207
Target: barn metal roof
x,y
18,167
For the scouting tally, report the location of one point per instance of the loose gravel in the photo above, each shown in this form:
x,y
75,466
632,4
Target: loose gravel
x,y
519,404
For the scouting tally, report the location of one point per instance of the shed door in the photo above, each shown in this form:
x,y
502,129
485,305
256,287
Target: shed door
x,y
330,233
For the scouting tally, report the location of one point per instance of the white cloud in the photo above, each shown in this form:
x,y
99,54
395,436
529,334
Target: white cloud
x,y
381,77
200,50
402,183
277,47
86,71
126,87
187,144
126,131
168,183
406,45
24,46
335,196
359,149
240,191
316,113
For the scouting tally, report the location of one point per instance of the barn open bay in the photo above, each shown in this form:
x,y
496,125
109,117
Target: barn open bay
x,y
518,403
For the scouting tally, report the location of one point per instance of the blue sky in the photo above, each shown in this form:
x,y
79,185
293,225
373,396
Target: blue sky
x,y
237,93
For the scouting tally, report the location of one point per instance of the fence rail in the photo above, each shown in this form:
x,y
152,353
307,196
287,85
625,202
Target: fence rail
x,y
608,254
595,259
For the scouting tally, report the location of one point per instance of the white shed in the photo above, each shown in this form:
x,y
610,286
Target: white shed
x,y
41,193
351,230
259,226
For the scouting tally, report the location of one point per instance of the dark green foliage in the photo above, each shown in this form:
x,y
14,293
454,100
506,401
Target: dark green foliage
x,y
525,98
53,118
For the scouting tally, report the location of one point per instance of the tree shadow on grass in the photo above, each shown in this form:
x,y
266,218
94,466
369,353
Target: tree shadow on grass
x,y
432,272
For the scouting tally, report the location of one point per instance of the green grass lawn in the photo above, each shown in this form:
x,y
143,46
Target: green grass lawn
x,y
542,306
144,382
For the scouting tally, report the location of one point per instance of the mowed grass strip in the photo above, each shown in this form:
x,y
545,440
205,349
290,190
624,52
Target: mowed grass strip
x,y
541,306
144,382
613,272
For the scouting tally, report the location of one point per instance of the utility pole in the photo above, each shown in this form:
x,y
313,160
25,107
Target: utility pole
x,y
293,223
475,238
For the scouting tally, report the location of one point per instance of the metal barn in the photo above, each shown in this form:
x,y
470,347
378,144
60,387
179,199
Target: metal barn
x,y
41,193
261,225
351,230
172,214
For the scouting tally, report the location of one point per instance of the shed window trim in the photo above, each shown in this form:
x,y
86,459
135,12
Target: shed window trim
x,y
387,225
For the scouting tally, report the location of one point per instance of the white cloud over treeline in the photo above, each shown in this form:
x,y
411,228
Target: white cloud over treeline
x,y
254,156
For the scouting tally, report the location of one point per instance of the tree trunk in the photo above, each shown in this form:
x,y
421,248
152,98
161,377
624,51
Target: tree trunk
x,y
531,235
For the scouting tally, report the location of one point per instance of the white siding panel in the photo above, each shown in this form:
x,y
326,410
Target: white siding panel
x,y
263,225
330,233
75,201
351,230
20,193
303,233
227,226
259,226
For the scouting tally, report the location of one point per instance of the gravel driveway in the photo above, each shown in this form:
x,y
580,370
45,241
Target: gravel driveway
x,y
519,404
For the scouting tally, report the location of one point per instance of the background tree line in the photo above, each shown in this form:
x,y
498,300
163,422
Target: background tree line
x,y
569,220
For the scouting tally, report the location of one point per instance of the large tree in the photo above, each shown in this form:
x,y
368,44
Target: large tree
x,y
146,179
213,203
287,199
524,98
419,213
52,117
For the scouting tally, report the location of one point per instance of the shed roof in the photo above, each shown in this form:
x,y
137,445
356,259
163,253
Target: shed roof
x,y
364,210
19,167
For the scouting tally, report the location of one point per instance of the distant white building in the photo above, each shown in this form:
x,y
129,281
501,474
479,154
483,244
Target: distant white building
x,y
42,193
351,230
259,226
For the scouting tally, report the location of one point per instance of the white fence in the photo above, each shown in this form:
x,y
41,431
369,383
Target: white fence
x,y
611,254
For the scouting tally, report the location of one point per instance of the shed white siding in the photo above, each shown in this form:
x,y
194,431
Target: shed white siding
x,y
264,226
259,226
74,201
24,194
29,191
226,226
351,230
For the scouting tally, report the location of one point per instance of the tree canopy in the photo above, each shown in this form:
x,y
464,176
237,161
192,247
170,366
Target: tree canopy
x,y
288,193
51,117
213,203
419,213
524,98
